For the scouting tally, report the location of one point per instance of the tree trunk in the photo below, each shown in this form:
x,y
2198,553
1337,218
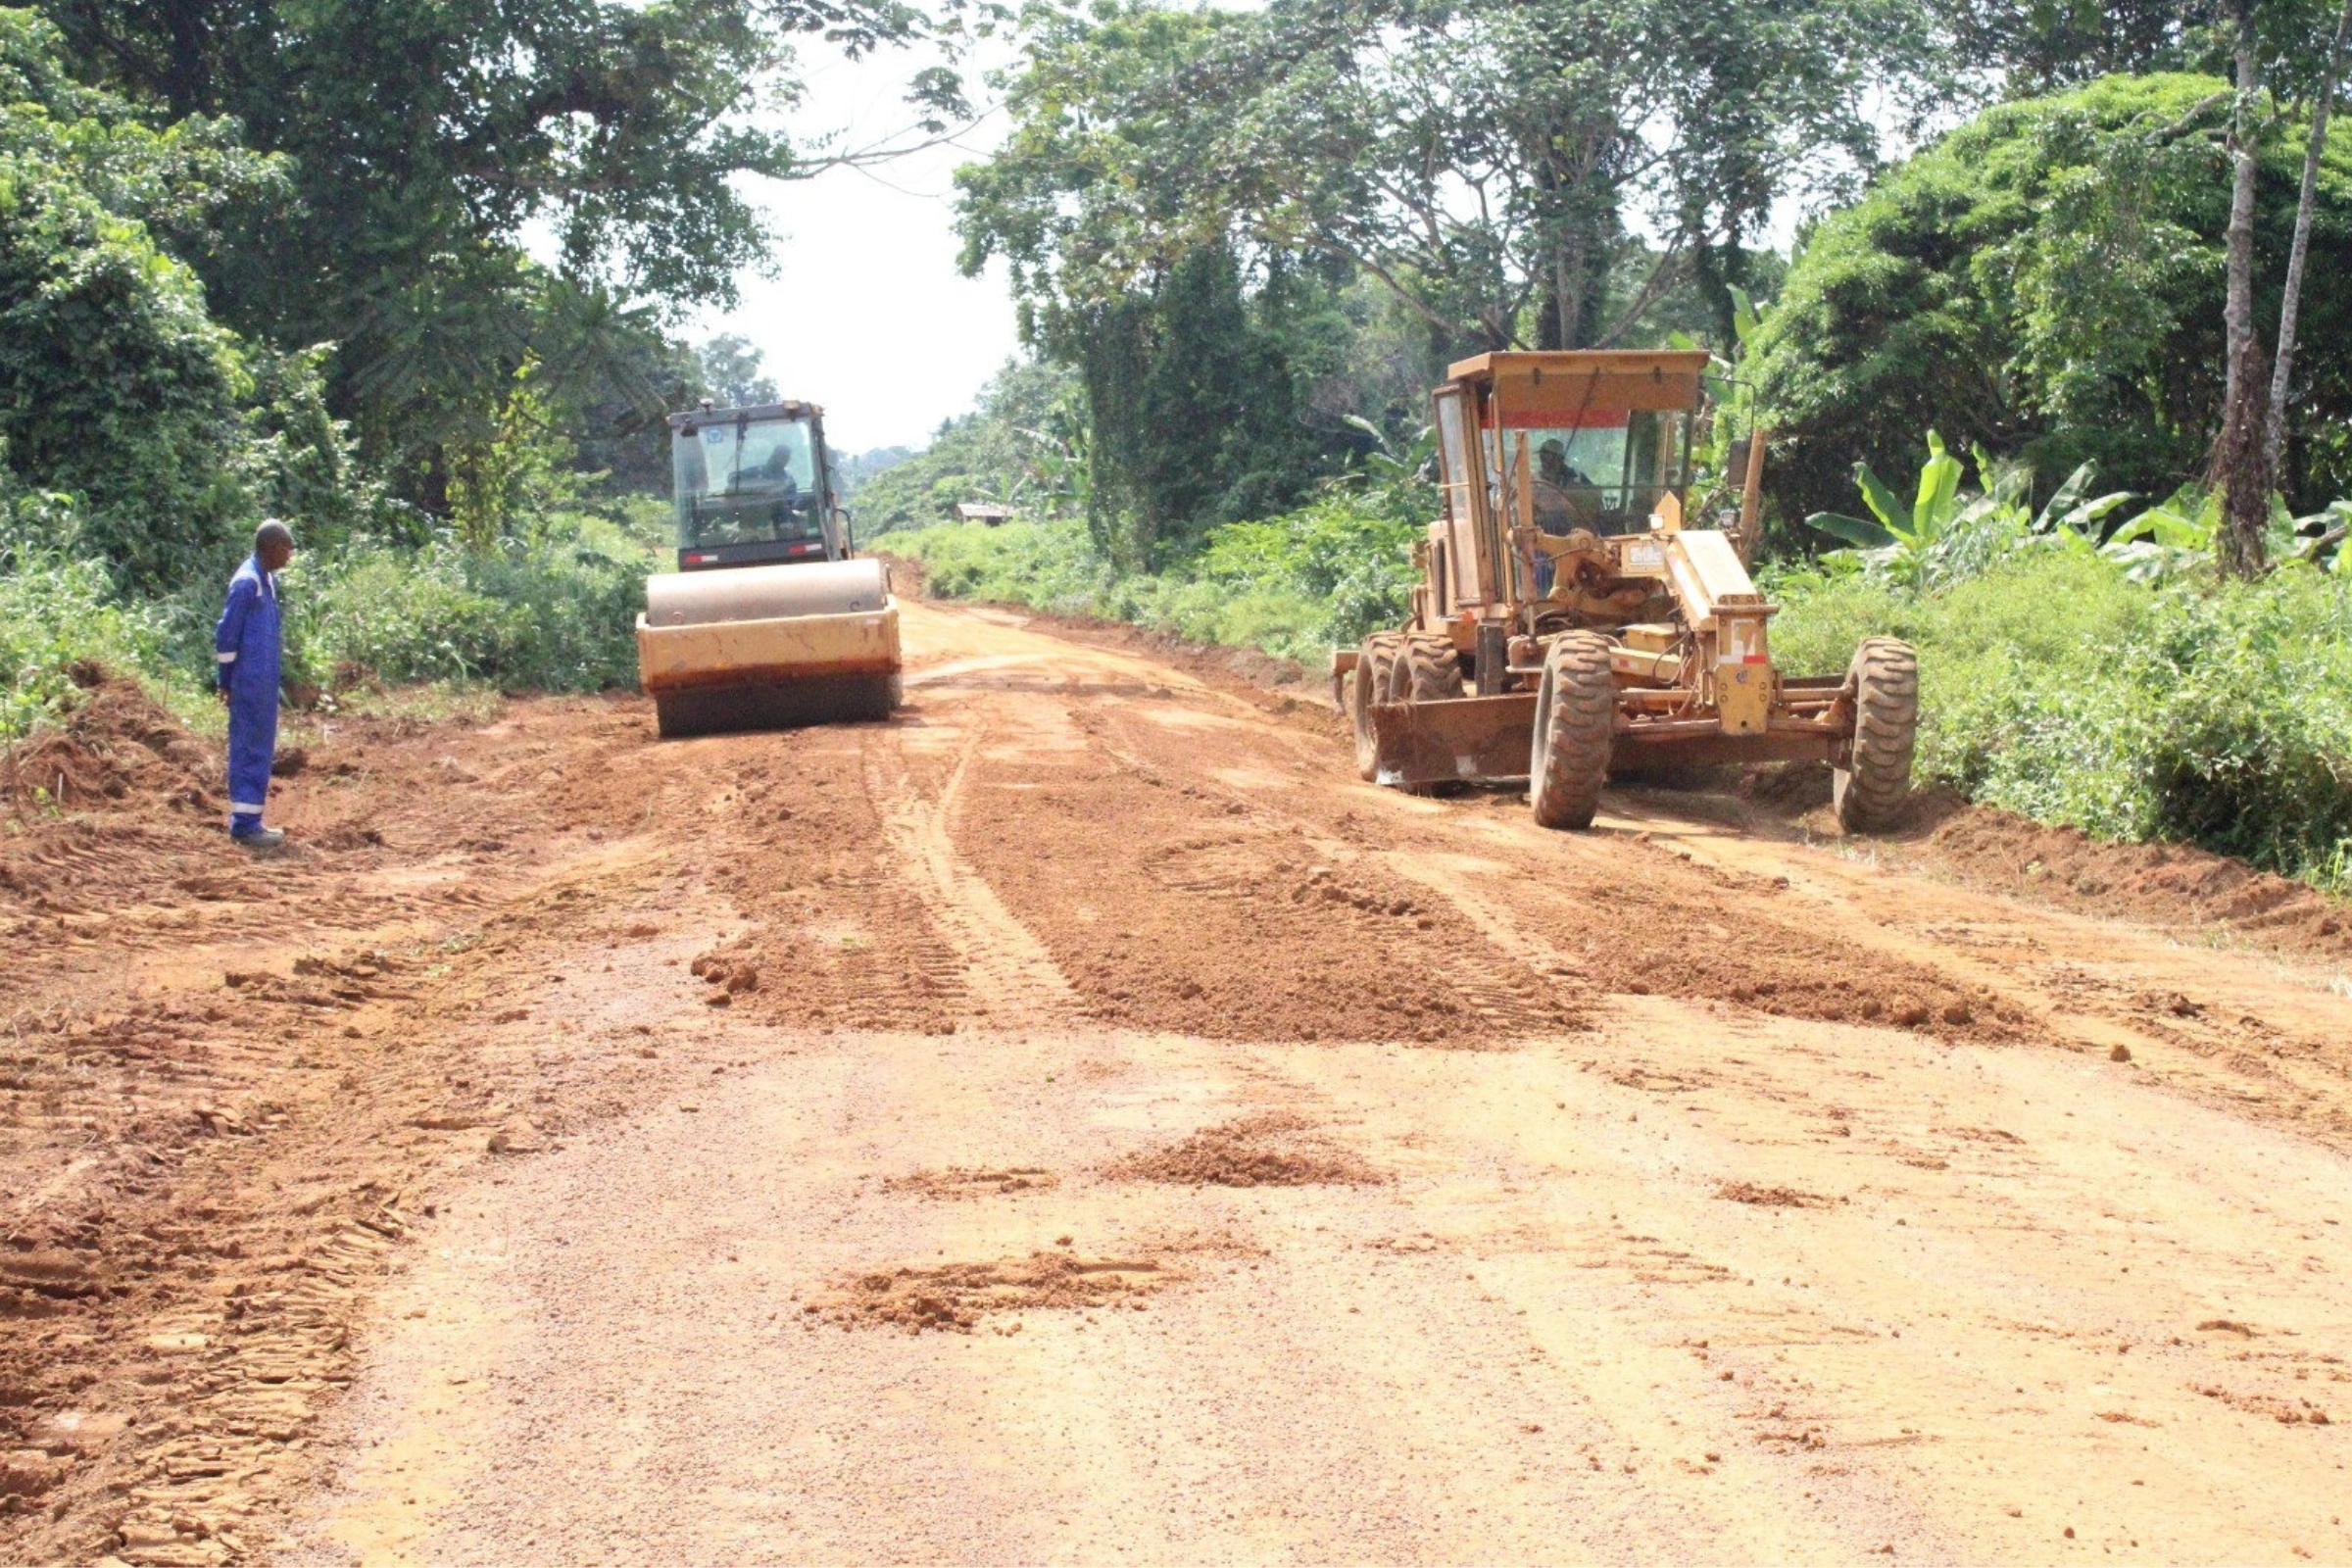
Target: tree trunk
x,y
2237,468
2274,435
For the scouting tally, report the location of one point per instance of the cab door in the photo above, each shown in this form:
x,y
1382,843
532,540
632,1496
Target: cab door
x,y
1463,483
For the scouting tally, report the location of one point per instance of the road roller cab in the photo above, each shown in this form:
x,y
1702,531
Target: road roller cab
x,y
770,620
755,485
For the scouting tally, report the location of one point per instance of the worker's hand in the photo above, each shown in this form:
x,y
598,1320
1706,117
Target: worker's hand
x,y
222,693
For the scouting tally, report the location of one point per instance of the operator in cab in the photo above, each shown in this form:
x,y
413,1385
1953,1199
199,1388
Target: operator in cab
x,y
1565,498
245,653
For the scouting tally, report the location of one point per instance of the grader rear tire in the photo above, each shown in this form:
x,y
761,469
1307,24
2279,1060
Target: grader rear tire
x,y
1430,671
1576,723
1369,685
1870,792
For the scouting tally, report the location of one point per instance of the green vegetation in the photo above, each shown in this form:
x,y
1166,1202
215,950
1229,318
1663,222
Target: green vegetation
x,y
2212,713
1294,585
2047,282
1022,446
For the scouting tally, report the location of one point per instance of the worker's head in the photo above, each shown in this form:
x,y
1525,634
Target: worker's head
x,y
1552,457
272,545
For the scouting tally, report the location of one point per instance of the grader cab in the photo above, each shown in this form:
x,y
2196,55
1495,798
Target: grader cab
x,y
1568,625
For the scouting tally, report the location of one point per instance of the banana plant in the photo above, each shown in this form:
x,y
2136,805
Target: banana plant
x,y
1946,535
1899,543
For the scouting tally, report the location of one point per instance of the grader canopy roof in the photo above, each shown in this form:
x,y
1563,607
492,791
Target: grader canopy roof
x,y
1604,436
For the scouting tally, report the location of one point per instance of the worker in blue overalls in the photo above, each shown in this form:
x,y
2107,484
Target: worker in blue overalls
x,y
246,646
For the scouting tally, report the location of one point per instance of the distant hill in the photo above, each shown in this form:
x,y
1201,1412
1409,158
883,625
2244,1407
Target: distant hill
x,y
851,470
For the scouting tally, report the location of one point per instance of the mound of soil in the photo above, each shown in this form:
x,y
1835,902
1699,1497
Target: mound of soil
x,y
958,1181
2162,882
1770,1196
118,750
956,1297
1277,1149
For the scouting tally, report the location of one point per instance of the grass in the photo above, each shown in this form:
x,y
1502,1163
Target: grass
x,y
431,633
2218,714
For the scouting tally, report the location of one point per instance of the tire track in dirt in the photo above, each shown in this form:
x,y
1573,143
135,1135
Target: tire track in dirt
x,y
1251,930
1011,976
840,935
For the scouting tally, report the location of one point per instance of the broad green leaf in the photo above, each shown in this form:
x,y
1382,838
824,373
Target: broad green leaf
x,y
1938,483
1853,530
1882,501
2062,503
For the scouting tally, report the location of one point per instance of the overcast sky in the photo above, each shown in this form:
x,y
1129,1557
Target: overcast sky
x,y
865,313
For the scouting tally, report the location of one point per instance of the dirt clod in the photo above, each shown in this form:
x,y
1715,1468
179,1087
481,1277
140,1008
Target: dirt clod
x,y
1274,1150
516,1136
956,1297
1770,1196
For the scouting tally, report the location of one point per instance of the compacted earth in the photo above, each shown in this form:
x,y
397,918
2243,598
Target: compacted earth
x,y
1079,1121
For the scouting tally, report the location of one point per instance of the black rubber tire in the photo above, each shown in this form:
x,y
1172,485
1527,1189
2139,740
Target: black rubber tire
x,y
1430,671
1576,725
1367,685
1871,792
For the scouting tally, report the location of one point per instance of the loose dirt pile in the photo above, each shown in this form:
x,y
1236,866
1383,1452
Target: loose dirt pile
x,y
118,750
958,1181
957,1296
1275,1150
2166,882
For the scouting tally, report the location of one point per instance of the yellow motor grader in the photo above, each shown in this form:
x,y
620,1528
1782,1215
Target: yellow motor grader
x,y
1568,625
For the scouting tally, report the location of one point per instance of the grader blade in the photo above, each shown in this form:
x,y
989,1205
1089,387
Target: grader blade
x,y
1464,741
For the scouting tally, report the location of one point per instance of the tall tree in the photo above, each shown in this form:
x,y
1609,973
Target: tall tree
x,y
1487,161
425,138
2291,306
2238,468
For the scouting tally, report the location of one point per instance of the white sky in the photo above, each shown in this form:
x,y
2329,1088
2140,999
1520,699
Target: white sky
x,y
865,311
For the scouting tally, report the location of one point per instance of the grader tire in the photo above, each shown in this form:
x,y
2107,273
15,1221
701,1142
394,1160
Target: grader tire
x,y
1870,791
1367,686
1429,672
1576,723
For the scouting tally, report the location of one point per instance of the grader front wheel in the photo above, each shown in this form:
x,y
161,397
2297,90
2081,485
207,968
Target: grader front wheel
x,y
1375,667
1869,791
1430,671
1576,723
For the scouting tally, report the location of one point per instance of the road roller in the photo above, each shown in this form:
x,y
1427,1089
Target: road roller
x,y
771,620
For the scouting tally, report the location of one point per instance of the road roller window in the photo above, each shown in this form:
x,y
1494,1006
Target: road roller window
x,y
745,481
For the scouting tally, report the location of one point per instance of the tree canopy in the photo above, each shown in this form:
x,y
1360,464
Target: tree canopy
x,y
420,139
2046,281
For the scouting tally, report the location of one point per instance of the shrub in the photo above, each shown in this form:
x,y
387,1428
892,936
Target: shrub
x,y
55,614
558,615
2047,280
1296,585
2053,687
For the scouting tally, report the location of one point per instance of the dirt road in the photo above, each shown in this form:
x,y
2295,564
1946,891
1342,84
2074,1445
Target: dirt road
x,y
1079,1122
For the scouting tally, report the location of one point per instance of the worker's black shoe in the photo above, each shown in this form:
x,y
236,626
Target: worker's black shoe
x,y
262,838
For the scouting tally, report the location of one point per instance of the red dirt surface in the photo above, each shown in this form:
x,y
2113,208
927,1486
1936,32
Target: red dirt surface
x,y
1100,944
